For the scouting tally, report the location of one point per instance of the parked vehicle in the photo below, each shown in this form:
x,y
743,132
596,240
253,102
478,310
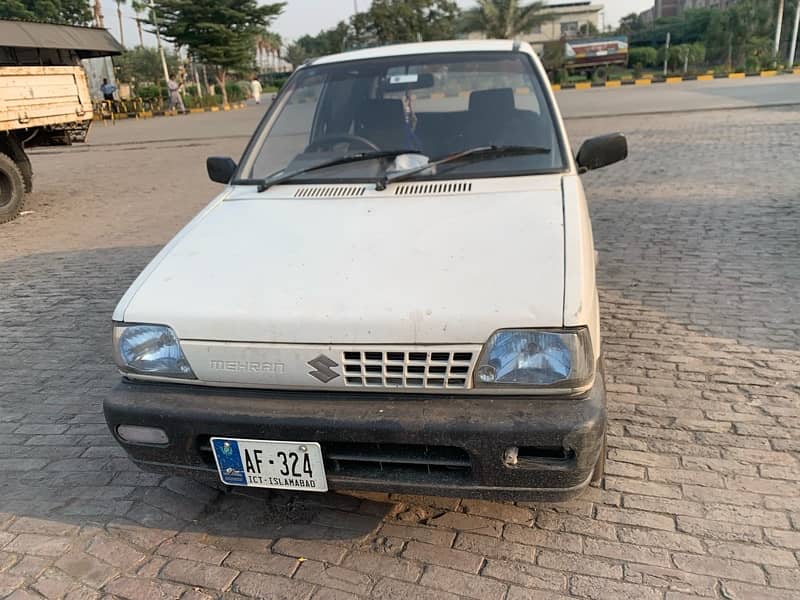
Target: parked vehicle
x,y
395,291
586,55
44,97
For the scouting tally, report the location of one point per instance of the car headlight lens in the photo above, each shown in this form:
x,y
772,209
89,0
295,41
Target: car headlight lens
x,y
536,358
150,350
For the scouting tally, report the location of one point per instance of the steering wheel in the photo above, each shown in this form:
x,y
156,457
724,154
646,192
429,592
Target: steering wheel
x,y
329,141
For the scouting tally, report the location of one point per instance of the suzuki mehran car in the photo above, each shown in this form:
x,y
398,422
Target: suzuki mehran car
x,y
395,291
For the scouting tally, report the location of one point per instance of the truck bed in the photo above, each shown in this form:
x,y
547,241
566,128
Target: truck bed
x,y
40,96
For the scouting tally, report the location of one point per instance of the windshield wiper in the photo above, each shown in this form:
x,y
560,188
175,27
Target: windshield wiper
x,y
478,153
274,179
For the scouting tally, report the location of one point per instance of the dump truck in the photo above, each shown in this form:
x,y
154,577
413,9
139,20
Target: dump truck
x,y
44,97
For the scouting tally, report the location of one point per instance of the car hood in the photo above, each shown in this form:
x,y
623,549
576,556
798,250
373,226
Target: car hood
x,y
314,264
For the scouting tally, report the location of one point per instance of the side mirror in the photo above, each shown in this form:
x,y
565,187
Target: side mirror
x,y
601,151
220,168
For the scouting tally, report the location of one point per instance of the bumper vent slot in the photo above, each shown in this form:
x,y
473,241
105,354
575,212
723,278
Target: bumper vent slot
x,y
436,369
401,462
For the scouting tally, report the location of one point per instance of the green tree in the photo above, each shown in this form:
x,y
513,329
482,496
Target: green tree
x,y
735,36
76,12
395,21
505,18
386,22
221,33
630,24
328,41
269,43
70,12
296,55
143,65
140,6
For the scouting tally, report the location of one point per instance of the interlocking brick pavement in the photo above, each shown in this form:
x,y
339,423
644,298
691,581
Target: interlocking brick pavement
x,y
699,279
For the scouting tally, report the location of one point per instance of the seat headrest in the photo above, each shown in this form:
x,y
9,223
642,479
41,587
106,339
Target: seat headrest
x,y
380,112
500,99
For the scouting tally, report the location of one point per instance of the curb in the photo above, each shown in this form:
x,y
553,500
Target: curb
x,y
147,114
586,85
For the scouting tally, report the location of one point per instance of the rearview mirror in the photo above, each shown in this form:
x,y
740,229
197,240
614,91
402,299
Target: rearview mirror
x,y
220,168
601,151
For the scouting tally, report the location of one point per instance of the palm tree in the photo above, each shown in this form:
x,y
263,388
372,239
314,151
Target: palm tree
x,y
140,6
296,55
505,18
119,17
270,44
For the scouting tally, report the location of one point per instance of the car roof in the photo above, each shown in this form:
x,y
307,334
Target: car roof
x,y
425,48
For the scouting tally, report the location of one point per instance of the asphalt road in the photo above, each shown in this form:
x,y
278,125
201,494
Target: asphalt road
x,y
596,102
681,97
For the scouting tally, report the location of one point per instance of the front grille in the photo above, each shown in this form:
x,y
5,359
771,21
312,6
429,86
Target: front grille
x,y
399,462
435,369
390,462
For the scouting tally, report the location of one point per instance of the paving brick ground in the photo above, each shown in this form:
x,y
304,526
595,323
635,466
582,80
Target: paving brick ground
x,y
699,272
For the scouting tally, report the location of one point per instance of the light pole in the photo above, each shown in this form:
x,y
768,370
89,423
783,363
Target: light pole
x,y
158,42
793,45
778,28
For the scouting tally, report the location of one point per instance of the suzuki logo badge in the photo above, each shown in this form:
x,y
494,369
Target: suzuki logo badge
x,y
324,368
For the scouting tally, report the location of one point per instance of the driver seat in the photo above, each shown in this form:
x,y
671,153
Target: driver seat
x,y
382,122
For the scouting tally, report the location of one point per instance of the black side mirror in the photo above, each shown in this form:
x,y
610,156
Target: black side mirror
x,y
601,151
220,168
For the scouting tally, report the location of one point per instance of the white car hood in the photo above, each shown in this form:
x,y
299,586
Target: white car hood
x,y
374,267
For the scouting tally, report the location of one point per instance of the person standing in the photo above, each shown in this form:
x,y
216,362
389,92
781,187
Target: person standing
x,y
108,89
175,100
255,89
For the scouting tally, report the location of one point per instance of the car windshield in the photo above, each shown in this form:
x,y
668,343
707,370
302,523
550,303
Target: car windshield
x,y
423,106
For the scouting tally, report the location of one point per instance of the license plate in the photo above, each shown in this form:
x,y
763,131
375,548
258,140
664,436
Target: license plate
x,y
269,464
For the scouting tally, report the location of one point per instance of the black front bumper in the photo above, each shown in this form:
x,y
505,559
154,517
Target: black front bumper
x,y
452,445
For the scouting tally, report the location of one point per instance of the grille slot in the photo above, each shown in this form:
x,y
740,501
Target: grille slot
x,y
411,369
331,191
395,461
447,187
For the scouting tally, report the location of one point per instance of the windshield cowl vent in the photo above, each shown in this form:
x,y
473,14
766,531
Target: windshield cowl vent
x,y
331,191
427,189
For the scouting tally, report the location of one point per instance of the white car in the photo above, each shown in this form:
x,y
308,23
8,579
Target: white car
x,y
395,291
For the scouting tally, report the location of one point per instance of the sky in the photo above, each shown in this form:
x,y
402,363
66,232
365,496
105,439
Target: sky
x,y
312,16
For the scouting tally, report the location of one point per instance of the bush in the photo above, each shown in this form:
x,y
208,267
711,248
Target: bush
x,y
643,56
148,92
615,72
235,92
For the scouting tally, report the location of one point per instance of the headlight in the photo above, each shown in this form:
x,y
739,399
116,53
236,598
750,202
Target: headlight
x,y
150,350
536,358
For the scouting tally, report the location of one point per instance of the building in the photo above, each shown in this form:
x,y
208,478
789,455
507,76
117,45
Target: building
x,y
569,20
674,8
